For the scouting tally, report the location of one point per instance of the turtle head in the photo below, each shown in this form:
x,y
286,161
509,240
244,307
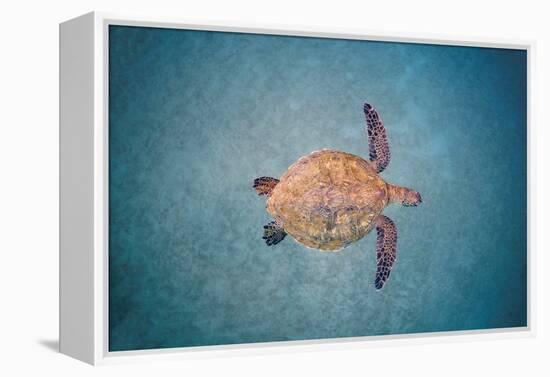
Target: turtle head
x,y
411,198
405,196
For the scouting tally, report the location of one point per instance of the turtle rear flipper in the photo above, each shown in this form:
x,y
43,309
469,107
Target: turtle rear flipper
x,y
273,233
386,249
379,150
264,185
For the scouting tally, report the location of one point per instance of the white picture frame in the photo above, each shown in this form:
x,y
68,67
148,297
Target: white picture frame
x,y
84,191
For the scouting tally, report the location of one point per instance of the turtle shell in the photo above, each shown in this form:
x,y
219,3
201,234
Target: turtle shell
x,y
328,199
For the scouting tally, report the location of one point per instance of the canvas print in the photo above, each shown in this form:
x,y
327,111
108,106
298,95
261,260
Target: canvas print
x,y
268,188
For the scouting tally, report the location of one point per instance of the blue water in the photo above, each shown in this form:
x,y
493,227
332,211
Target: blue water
x,y
195,116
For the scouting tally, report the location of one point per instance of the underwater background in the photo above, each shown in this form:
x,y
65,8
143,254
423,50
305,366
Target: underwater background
x,y
195,116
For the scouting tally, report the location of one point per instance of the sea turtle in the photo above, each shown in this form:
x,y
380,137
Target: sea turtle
x,y
328,199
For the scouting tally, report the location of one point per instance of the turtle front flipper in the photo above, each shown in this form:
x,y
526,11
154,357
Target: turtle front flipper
x,y
379,150
264,185
386,249
273,233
